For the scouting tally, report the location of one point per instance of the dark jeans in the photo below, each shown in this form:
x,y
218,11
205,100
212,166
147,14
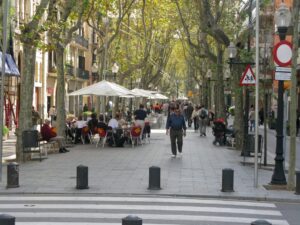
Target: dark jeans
x,y
176,135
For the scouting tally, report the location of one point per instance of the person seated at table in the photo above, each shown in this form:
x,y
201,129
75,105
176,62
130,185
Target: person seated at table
x,y
49,135
113,123
101,123
122,123
79,124
92,123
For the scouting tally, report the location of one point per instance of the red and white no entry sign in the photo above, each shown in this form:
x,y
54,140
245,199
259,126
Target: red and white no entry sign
x,y
282,53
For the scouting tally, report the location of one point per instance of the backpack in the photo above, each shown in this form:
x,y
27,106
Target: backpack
x,y
203,114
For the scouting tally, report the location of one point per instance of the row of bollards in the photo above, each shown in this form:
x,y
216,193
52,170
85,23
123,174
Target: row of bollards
x,y
128,220
154,184
154,178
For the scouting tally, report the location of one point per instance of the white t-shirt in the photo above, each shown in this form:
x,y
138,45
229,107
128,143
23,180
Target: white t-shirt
x,y
80,124
113,123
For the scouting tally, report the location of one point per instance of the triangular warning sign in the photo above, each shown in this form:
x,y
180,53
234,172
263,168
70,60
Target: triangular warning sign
x,y
248,77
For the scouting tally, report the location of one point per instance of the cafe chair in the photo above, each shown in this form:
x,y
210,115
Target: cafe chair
x,y
85,134
136,135
102,137
92,133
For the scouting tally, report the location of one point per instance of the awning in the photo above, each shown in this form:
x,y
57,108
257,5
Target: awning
x,y
10,65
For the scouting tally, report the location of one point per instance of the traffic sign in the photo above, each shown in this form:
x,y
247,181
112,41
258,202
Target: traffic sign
x,y
282,53
248,77
283,73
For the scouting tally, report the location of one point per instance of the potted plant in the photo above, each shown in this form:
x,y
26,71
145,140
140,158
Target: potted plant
x,y
288,128
5,132
272,123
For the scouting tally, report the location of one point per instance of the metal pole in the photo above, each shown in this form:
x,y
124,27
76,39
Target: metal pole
x,y
256,93
265,58
278,176
285,120
5,15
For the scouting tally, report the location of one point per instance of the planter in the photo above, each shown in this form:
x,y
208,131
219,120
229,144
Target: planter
x,y
272,124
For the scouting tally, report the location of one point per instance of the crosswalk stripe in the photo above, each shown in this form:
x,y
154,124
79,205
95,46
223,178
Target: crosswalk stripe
x,y
137,199
143,207
171,217
79,223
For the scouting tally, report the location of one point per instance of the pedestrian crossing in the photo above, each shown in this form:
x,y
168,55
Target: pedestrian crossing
x,y
109,210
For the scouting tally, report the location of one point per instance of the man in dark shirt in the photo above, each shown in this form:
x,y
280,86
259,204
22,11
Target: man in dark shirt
x,y
177,129
140,115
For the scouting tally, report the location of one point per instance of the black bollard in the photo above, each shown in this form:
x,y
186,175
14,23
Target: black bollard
x,y
297,183
154,178
82,177
7,219
261,222
132,220
227,180
12,175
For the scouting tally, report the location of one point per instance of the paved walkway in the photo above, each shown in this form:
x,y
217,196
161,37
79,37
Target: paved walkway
x,y
126,171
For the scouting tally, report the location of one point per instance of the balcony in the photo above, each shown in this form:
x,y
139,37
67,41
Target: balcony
x,y
81,41
82,74
69,70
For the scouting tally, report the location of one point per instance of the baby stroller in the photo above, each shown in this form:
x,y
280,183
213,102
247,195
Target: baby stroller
x,y
219,130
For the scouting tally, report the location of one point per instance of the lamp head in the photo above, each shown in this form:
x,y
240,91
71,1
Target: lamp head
x,y
209,74
283,16
231,51
115,68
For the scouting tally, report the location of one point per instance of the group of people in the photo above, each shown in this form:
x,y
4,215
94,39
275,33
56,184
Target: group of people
x,y
83,128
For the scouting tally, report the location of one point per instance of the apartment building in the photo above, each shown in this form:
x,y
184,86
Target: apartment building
x,y
78,61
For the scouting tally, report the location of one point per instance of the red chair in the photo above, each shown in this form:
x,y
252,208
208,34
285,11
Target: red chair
x,y
102,136
135,135
85,133
92,134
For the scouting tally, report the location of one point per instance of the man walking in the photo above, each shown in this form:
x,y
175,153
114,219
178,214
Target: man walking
x,y
203,114
177,129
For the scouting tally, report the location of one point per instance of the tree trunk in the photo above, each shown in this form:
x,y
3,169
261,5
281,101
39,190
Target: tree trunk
x,y
238,111
27,84
60,91
219,92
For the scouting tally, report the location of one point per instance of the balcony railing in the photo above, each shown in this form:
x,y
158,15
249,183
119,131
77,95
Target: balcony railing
x,y
83,74
81,41
69,70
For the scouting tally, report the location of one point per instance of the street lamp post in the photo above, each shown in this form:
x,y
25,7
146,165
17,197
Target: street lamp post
x,y
177,89
227,87
209,76
115,70
232,52
282,20
106,24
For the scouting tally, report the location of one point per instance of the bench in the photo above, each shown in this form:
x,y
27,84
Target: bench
x,y
31,143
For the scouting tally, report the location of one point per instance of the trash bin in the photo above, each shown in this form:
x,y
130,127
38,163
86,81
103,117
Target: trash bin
x,y
12,175
250,144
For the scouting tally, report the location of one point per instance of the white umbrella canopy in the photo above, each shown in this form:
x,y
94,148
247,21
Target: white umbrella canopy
x,y
105,88
143,93
160,96
182,98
